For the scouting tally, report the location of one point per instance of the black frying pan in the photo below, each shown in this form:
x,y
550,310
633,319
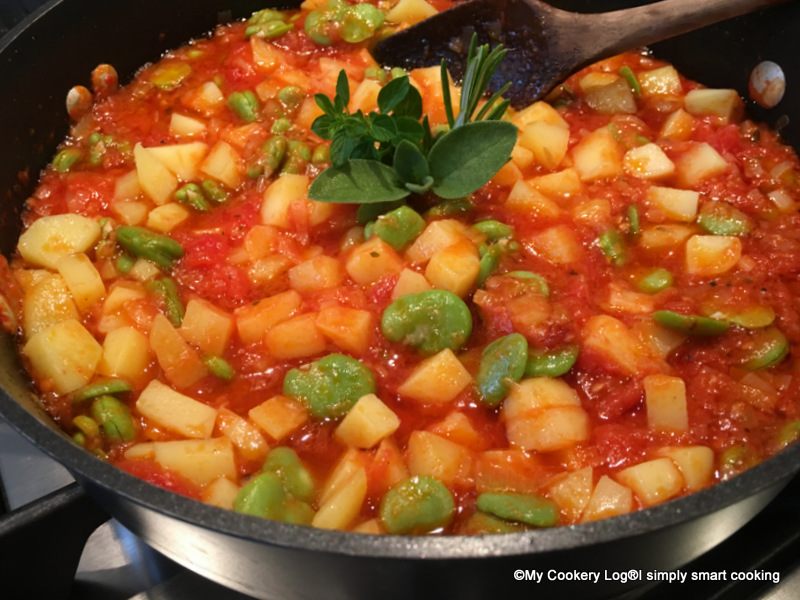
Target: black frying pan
x,y
57,48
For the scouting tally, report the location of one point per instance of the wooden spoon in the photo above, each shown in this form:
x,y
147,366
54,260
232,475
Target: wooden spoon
x,y
545,45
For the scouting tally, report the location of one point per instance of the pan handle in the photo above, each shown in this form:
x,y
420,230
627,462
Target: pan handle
x,y
41,542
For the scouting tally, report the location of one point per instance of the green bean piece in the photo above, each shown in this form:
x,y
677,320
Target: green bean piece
x,y
245,104
155,247
166,289
66,159
502,362
361,22
298,155
273,152
87,426
540,282
214,191
489,261
612,246
399,227
690,324
114,418
330,386
192,195
633,220
219,367
291,96
428,321
482,523
262,496
551,363
296,479
720,218
125,263
416,505
767,348
654,281
522,508
630,77
788,434
494,230
107,387
169,76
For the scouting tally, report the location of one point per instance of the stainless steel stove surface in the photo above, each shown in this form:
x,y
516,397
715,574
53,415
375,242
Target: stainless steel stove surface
x,y
116,565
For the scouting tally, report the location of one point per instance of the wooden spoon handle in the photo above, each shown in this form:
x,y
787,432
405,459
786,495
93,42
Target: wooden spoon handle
x,y
621,30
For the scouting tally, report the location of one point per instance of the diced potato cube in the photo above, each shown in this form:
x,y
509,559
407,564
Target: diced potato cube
x,y
521,157
342,508
658,339
410,12
597,156
700,162
260,241
207,99
131,212
50,238
269,269
594,213
458,427
708,255
349,328
510,172
677,204
538,111
455,268
662,237
222,163
435,456
437,379
572,493
696,464
565,182
369,527
65,353
207,326
524,197
678,126
437,236
297,337
144,270
221,492
372,260
548,143
723,103
182,159
662,81
653,481
47,302
609,499
244,435
624,300
409,282
279,196
596,80
612,339
126,353
279,416
367,423
126,187
318,273
648,161
534,393
175,411
557,245
167,217
266,55
253,320
180,362
365,96
509,470
386,468
347,466
549,429
613,98
200,461
665,399
119,294
184,126
155,179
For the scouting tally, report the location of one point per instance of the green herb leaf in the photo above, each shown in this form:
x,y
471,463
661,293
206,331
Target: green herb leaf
x,y
342,92
358,181
392,94
467,157
410,163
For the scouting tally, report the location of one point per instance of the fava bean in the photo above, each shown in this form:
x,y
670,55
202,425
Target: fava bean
x,y
273,151
398,227
690,324
281,125
193,196
494,230
219,367
633,220
361,22
767,348
86,425
753,318
551,363
502,362
262,496
330,386
490,259
428,321
156,247
284,462
613,246
66,159
298,154
654,280
720,218
482,523
170,75
522,508
245,104
320,24
416,505
540,282
788,434
114,418
291,96
107,387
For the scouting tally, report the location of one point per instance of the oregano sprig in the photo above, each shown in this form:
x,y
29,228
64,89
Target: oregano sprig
x,y
387,154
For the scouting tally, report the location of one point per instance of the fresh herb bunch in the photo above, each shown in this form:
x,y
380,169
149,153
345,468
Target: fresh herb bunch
x,y
387,154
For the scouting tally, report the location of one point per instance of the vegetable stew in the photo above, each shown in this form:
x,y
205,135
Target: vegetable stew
x,y
274,276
